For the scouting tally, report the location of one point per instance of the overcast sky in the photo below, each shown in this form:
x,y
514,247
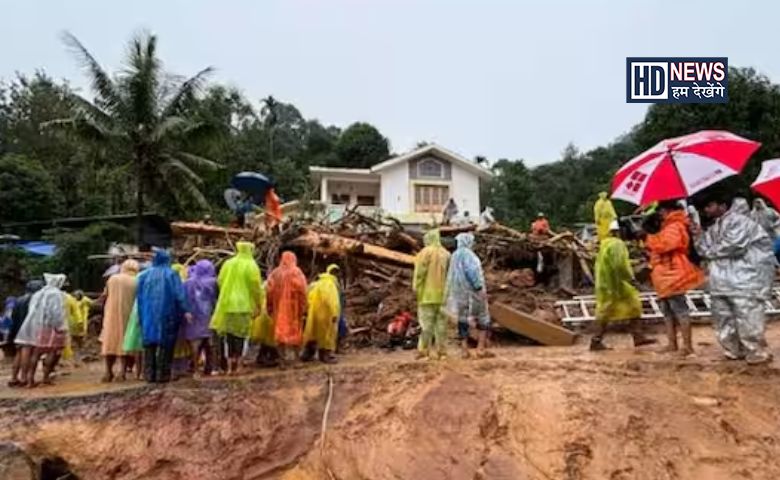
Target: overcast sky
x,y
512,78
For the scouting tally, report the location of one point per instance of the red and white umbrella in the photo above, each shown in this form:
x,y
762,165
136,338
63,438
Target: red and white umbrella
x,y
768,181
679,167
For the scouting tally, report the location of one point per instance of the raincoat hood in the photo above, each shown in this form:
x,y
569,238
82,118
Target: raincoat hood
x,y
602,195
759,204
465,240
161,258
432,238
129,267
740,205
56,280
332,268
288,260
202,269
245,249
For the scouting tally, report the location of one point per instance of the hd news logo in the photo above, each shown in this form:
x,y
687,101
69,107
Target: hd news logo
x,y
677,80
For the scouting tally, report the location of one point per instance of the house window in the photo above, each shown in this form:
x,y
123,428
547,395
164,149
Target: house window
x,y
430,169
366,200
339,199
430,198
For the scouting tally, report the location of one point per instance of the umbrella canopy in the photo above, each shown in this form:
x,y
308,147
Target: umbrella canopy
x,y
768,181
252,182
679,167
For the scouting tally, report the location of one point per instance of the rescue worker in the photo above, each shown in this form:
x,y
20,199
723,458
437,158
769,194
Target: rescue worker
x,y
617,299
769,220
240,300
742,269
673,274
429,279
604,214
541,226
44,331
286,304
162,304
324,310
449,212
467,294
273,210
17,319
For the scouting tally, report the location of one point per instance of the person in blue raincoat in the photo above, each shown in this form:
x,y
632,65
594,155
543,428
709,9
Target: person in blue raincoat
x,y
467,294
162,305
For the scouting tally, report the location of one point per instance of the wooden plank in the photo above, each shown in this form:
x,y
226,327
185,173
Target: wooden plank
x,y
527,325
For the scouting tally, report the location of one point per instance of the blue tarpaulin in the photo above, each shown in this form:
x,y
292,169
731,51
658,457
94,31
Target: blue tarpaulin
x,y
35,248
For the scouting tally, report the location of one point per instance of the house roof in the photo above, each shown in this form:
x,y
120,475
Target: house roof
x,y
437,151
431,149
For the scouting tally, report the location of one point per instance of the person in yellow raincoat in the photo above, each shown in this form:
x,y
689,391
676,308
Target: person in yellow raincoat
x,y
617,299
604,214
72,309
240,300
429,280
324,309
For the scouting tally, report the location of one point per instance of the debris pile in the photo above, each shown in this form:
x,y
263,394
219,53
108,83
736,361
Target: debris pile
x,y
525,272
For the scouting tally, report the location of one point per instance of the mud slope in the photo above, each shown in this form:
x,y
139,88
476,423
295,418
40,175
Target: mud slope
x,y
515,417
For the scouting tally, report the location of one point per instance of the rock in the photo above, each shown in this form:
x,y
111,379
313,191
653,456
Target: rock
x,y
15,464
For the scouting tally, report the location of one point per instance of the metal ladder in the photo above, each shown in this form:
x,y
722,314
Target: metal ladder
x,y
581,310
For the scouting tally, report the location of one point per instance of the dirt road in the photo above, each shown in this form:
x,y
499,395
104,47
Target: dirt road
x,y
530,413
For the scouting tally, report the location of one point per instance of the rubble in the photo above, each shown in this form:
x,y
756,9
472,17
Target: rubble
x,y
524,272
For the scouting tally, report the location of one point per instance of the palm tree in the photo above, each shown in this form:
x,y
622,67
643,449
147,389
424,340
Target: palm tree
x,y
145,113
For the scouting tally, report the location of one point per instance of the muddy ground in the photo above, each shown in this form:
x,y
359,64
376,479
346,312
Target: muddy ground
x,y
529,413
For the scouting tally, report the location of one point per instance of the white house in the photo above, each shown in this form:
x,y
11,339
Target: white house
x,y
413,187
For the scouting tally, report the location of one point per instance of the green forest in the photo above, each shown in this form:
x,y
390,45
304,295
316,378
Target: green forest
x,y
146,139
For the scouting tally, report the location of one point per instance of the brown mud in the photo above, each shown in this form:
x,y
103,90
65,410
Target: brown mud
x,y
529,413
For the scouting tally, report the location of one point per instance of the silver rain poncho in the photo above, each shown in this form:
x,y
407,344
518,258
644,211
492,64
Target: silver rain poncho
x,y
46,324
741,272
767,217
465,292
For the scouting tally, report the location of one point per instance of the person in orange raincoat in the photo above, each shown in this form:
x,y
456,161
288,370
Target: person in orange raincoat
x,y
286,304
541,226
273,209
673,274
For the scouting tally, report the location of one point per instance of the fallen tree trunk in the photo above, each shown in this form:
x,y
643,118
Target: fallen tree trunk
x,y
184,228
329,244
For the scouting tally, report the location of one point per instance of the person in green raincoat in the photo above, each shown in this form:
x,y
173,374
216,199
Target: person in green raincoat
x,y
617,299
429,281
604,214
133,344
240,300
324,309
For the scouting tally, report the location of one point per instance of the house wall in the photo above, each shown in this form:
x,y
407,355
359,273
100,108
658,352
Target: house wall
x,y
395,189
353,189
465,190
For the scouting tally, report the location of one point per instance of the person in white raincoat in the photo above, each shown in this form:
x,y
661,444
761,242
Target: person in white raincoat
x,y
45,329
466,295
741,272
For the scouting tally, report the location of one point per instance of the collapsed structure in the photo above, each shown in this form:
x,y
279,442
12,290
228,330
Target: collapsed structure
x,y
525,274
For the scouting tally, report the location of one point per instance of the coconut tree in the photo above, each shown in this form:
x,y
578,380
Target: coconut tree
x,y
145,115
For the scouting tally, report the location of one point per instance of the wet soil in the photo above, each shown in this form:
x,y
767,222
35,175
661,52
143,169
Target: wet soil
x,y
529,413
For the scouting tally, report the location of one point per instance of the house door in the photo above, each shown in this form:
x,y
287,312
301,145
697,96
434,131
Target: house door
x,y
430,198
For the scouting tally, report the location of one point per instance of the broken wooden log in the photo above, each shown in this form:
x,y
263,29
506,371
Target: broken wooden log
x,y
329,244
529,326
191,228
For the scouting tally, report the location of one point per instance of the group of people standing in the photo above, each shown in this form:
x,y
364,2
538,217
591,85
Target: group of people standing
x,y
453,284
166,312
737,252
